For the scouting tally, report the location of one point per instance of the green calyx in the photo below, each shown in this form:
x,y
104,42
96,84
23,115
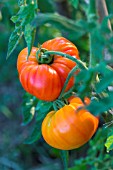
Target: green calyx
x,y
44,58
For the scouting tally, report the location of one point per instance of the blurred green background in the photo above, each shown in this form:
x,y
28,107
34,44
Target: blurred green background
x,y
14,154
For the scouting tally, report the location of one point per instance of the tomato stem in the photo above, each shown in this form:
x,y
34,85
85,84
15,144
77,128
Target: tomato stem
x,y
57,104
78,62
54,106
67,80
43,58
65,158
60,103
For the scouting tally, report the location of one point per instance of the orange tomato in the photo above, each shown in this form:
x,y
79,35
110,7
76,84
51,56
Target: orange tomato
x,y
69,128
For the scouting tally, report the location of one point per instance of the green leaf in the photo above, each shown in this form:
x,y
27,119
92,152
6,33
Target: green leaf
x,y
81,166
49,7
101,34
83,82
42,109
104,26
74,3
97,48
95,157
22,22
14,40
64,156
43,106
29,35
14,18
25,2
28,106
106,80
26,14
102,105
109,142
91,10
21,2
35,135
36,4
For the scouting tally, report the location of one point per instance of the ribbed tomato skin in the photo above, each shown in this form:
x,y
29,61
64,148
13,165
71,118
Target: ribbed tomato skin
x,y
42,80
67,129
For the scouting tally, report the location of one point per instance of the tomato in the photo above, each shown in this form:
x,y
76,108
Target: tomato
x,y
45,81
75,99
69,128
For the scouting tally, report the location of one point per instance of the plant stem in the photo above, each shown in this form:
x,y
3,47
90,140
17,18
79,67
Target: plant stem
x,y
60,103
64,155
43,58
92,60
54,106
67,80
80,64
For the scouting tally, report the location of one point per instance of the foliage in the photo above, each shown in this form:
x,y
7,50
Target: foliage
x,y
33,107
94,41
22,25
95,154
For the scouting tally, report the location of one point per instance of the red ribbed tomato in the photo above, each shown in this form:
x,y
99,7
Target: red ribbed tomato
x,y
45,81
68,128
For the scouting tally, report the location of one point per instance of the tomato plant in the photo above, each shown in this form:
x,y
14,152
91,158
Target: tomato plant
x,y
47,74
53,74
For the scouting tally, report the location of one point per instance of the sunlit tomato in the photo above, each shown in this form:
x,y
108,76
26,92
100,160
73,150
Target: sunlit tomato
x,y
45,81
69,128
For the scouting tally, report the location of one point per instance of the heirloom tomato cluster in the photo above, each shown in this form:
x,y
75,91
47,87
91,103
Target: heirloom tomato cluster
x,y
43,75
